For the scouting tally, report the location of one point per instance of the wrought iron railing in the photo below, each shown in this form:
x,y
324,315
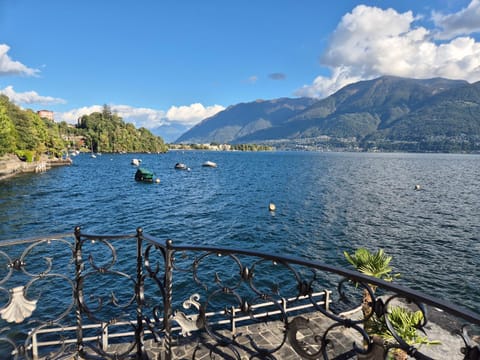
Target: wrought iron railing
x,y
133,296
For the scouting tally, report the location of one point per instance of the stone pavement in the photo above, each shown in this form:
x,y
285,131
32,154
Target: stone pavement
x,y
270,335
267,335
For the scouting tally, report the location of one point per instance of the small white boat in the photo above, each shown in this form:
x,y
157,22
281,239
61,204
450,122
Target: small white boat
x,y
136,162
209,164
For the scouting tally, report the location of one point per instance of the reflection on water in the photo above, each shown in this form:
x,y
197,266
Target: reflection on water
x,y
325,203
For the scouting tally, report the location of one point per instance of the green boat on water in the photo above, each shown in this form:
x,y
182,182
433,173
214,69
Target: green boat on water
x,y
144,175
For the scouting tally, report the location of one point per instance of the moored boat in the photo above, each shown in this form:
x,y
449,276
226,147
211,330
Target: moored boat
x,y
136,162
209,164
144,175
181,166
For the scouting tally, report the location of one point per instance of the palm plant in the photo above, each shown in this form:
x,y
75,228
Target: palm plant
x,y
372,264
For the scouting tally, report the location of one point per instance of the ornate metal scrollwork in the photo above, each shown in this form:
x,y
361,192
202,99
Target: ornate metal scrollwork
x,y
19,307
190,323
238,297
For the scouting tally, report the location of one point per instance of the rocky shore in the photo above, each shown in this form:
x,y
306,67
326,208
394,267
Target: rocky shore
x,y
11,165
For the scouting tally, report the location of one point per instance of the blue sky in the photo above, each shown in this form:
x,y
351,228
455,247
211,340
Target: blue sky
x,y
166,65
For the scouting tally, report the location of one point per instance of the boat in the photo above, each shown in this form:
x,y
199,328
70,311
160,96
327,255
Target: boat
x,y
144,175
209,164
136,162
92,155
181,166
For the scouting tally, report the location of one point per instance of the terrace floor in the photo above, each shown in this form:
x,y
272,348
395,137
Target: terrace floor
x,y
270,335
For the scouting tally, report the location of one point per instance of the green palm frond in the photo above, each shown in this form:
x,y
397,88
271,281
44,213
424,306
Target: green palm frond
x,y
371,264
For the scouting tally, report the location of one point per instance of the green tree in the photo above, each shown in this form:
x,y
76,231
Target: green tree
x,y
7,133
107,132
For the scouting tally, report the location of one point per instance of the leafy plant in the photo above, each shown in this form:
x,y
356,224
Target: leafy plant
x,y
405,323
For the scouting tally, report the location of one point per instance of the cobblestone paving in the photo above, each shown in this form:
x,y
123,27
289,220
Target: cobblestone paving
x,y
270,335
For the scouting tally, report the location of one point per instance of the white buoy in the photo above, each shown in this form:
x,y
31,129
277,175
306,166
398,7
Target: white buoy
x,y
157,180
417,187
271,207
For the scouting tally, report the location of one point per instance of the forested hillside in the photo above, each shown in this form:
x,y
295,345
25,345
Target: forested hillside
x,y
107,132
25,133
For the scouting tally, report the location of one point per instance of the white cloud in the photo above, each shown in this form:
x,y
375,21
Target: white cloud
x,y
72,116
140,117
323,85
29,97
370,42
11,67
145,117
192,114
464,22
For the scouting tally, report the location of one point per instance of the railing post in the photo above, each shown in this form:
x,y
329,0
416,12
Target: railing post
x,y
139,294
78,288
327,299
104,336
167,302
34,347
233,325
284,305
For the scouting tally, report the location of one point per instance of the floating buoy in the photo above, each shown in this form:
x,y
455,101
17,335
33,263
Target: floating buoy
x,y
271,207
417,187
157,180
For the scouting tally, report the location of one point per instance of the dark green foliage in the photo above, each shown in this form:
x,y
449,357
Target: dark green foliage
x,y
107,132
24,132
8,133
30,132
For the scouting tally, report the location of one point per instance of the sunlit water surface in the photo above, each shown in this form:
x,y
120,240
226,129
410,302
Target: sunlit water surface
x,y
326,203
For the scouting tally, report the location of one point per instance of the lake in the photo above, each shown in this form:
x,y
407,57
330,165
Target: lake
x,y
326,203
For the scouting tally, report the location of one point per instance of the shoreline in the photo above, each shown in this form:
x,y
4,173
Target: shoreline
x,y
11,165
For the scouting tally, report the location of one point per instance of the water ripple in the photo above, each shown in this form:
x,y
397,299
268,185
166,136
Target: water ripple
x,y
326,204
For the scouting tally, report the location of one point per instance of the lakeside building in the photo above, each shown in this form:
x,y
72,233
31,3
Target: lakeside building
x,y
46,114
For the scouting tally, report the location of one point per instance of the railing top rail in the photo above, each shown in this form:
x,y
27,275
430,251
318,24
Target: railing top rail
x,y
78,232
352,275
10,242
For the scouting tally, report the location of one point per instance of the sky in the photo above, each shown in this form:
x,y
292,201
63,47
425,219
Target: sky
x,y
167,65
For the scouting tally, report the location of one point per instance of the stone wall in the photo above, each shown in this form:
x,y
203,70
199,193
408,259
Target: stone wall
x,y
11,165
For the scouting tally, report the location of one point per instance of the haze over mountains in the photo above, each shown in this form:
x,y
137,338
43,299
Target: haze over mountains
x,y
388,113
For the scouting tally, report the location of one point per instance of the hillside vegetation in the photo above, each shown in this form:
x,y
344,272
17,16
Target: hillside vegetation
x,y
24,133
107,132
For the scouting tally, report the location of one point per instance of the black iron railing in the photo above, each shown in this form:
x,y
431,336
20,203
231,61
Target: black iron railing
x,y
132,296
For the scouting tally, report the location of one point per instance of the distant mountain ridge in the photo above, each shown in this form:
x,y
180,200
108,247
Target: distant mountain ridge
x,y
388,113
243,119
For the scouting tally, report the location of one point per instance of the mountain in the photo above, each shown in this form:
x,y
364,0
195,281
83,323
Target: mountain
x,y
244,119
169,132
388,113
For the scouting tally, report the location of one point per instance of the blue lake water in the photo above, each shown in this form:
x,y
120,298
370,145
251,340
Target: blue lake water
x,y
326,203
